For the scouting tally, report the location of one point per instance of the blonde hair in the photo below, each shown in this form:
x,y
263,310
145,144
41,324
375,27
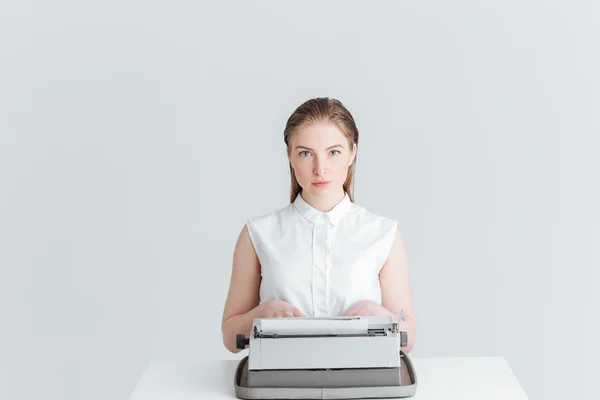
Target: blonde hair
x,y
322,109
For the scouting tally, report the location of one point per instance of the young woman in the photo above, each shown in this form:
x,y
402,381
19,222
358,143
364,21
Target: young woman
x,y
321,255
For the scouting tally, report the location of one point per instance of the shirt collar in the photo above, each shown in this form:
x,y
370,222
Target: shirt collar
x,y
312,214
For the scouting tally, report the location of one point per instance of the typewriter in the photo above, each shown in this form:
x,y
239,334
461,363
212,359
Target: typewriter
x,y
324,358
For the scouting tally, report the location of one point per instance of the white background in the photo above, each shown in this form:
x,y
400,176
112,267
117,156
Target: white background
x,y
137,137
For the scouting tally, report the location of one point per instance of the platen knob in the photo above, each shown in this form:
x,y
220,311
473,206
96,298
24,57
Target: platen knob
x,y
241,341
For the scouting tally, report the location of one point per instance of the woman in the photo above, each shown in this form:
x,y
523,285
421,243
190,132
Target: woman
x,y
321,255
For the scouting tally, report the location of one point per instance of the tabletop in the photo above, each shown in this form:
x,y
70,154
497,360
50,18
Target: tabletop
x,y
447,378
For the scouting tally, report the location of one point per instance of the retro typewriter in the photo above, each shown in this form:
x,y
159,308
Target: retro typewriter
x,y
324,358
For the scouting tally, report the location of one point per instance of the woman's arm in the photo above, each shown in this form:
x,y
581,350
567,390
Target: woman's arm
x,y
243,294
243,300
395,289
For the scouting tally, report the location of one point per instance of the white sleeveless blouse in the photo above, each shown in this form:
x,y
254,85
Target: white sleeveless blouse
x,y
321,263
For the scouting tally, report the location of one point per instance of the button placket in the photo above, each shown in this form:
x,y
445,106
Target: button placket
x,y
321,264
328,261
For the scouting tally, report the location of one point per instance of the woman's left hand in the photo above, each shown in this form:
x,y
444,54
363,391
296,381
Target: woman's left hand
x,y
366,308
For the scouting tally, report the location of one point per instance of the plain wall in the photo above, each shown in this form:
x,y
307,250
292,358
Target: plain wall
x,y
137,137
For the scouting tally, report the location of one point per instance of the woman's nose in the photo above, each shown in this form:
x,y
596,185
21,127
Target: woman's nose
x,y
320,167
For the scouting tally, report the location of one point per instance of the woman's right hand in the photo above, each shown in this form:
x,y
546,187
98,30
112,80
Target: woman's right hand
x,y
275,308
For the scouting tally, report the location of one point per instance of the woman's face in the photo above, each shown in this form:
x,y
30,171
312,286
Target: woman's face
x,y
320,156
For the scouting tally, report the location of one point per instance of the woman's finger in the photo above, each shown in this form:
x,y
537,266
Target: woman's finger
x,y
350,312
298,313
358,311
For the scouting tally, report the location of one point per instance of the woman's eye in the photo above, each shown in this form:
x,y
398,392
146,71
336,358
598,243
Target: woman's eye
x,y
332,151
303,153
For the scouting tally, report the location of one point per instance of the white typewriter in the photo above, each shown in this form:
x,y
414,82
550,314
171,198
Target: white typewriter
x,y
334,357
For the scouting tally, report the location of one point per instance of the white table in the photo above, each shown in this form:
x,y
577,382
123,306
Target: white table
x,y
464,378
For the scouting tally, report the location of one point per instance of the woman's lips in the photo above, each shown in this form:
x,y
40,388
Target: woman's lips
x,y
321,184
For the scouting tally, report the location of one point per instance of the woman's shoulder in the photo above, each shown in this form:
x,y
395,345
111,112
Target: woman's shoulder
x,y
274,218
364,216
275,213
376,228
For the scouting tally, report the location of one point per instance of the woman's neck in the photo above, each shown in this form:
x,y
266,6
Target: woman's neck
x,y
324,203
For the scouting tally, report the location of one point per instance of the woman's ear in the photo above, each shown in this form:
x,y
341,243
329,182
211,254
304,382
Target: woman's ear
x,y
353,154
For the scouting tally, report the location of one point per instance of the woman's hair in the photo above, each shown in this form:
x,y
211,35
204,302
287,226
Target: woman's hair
x,y
322,109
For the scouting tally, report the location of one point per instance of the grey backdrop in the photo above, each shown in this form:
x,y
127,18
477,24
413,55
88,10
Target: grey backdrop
x,y
136,137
